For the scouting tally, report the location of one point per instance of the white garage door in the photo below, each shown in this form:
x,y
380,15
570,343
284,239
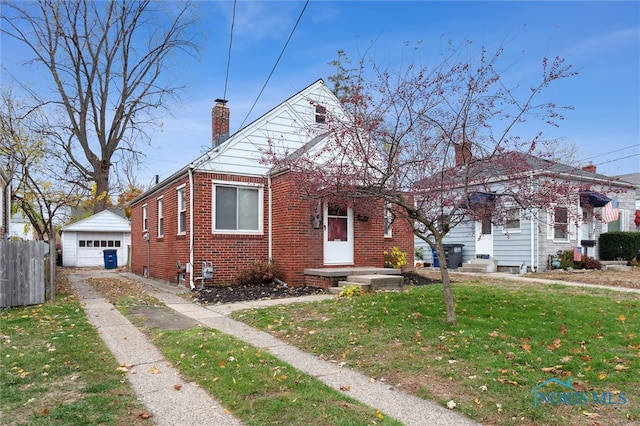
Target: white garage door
x,y
90,247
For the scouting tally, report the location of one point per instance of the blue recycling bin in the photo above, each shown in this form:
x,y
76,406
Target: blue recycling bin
x,y
110,259
453,253
434,257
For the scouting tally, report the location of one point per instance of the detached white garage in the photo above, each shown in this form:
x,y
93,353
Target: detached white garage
x,y
84,242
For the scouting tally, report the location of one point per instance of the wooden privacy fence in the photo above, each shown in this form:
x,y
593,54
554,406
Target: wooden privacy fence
x,y
22,273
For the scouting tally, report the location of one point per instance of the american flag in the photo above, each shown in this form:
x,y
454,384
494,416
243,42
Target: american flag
x,y
610,211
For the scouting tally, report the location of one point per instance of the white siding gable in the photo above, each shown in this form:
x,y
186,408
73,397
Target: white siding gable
x,y
288,126
105,221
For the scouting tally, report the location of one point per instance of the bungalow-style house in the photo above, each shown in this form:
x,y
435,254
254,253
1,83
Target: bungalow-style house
x,y
529,240
5,206
227,209
84,242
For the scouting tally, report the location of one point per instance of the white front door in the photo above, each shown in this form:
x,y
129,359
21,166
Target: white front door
x,y
484,237
338,236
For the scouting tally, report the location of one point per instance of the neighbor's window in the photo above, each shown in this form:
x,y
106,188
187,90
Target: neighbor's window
x,y
513,220
160,218
237,208
182,210
388,220
560,223
145,218
321,114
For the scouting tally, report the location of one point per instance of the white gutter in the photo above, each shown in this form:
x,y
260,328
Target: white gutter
x,y
191,283
269,218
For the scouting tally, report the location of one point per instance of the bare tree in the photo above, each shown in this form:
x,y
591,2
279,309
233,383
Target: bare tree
x,y
439,143
108,63
41,189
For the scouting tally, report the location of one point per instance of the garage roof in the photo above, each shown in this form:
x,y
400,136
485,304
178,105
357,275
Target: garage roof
x,y
105,221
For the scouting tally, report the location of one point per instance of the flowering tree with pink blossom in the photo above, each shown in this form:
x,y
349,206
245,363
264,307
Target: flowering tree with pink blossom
x,y
441,144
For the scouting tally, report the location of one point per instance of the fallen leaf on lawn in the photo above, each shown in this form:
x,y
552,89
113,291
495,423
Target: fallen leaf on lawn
x,y
372,380
566,358
621,318
494,333
154,370
525,346
602,376
588,414
44,411
451,405
478,403
379,415
620,367
145,416
555,369
345,388
555,344
578,386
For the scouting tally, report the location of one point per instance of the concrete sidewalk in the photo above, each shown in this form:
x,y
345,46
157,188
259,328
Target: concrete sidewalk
x,y
151,376
168,405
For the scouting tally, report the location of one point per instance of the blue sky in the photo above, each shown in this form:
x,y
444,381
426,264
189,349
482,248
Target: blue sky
x,y
600,39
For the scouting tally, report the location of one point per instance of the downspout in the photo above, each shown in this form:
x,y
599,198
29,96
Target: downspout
x,y
191,283
534,232
269,219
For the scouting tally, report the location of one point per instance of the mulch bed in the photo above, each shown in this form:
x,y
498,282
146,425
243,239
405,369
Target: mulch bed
x,y
229,294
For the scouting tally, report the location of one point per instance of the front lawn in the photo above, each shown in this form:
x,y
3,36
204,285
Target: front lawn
x,y
55,370
509,338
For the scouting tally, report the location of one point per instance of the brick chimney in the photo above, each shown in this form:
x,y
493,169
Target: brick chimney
x,y
219,122
591,168
463,153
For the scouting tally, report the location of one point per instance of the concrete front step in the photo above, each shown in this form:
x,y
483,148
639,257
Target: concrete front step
x,y
479,266
378,282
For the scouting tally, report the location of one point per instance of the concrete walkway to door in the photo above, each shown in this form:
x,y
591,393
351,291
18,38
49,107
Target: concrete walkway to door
x,y
170,407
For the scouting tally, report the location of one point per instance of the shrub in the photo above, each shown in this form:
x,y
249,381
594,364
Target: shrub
x,y
590,263
395,258
351,291
258,273
566,259
619,245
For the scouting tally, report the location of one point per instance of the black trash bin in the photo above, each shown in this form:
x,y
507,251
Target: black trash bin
x,y
454,255
110,259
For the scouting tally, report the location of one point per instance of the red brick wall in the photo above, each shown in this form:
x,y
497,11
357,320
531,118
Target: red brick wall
x,y
296,244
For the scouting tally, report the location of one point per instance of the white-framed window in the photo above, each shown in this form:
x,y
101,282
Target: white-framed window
x,y
620,224
321,114
237,208
560,223
512,222
388,221
160,217
145,218
182,209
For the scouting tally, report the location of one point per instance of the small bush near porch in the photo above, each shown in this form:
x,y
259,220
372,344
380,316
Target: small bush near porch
x,y
509,338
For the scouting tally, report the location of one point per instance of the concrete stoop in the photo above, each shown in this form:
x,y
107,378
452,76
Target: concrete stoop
x,y
479,266
369,283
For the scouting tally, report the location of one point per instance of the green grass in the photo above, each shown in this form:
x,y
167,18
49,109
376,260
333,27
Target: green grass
x,y
55,370
508,339
258,388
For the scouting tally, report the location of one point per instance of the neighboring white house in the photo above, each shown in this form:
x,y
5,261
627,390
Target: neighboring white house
x,y
529,242
21,228
84,242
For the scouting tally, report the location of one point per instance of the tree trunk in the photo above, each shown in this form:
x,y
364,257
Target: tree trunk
x,y
101,177
446,285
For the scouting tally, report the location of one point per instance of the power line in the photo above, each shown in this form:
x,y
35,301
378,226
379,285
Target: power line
x,y
618,159
276,64
233,22
610,152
